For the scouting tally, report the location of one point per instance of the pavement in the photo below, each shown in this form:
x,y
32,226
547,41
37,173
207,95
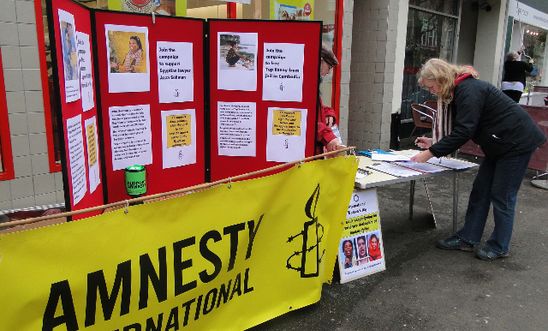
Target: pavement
x,y
425,288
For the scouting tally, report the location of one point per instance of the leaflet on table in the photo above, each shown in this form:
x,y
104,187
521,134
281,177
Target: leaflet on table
x,y
361,251
383,155
393,169
422,167
451,163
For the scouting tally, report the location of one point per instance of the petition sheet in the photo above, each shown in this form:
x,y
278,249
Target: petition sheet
x,y
286,134
178,138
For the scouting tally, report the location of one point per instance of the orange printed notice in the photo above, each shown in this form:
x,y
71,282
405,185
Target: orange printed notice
x,y
287,122
178,130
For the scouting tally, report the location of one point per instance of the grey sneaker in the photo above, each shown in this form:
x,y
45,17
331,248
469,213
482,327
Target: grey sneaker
x,y
455,243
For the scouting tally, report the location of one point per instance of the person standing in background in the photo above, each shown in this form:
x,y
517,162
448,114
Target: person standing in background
x,y
513,79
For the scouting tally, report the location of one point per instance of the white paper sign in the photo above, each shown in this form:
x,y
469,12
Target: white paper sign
x,y
286,134
128,58
84,63
283,72
237,61
178,138
236,128
76,158
175,72
92,144
130,136
361,250
67,29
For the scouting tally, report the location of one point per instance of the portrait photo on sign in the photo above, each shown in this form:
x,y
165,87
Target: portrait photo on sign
x,y
361,247
68,43
374,246
237,51
347,253
128,58
127,53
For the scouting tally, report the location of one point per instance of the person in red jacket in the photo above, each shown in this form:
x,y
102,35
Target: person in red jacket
x,y
327,118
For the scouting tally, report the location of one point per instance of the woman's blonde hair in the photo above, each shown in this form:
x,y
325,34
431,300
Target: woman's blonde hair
x,y
444,74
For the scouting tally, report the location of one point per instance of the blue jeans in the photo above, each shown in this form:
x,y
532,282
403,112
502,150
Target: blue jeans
x,y
497,182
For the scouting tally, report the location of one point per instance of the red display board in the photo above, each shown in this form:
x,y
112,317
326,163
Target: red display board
x,y
68,18
287,35
158,29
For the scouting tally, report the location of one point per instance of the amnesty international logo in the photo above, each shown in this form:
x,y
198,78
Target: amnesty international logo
x,y
310,253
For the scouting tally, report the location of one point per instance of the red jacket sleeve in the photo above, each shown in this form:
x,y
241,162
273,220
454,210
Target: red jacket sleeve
x,y
325,134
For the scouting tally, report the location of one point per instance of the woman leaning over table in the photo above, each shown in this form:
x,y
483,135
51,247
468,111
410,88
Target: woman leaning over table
x,y
477,110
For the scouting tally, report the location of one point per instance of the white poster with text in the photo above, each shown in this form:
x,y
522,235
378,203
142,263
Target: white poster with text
x,y
175,72
84,63
77,158
178,138
286,134
236,128
283,72
130,136
361,250
67,28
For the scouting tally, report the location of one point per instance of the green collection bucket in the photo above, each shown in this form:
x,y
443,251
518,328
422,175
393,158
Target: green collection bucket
x,y
136,183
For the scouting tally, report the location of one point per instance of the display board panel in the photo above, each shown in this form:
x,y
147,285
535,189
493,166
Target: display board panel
x,y
152,99
74,78
263,87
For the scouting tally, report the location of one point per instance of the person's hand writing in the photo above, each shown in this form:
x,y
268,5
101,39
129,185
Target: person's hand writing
x,y
422,156
423,142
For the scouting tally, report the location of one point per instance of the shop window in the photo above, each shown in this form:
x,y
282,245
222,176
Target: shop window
x,y
6,160
429,35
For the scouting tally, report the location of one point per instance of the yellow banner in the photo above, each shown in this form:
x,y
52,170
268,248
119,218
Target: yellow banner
x,y
225,258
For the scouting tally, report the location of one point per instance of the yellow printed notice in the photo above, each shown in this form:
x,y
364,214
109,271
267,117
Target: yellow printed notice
x,y
92,147
287,123
178,130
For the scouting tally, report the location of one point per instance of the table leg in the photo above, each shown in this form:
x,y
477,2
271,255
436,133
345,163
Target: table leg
x,y
455,200
411,198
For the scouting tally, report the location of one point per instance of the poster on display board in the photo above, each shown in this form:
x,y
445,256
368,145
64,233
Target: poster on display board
x,y
292,10
161,7
73,69
237,61
361,250
70,56
128,58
